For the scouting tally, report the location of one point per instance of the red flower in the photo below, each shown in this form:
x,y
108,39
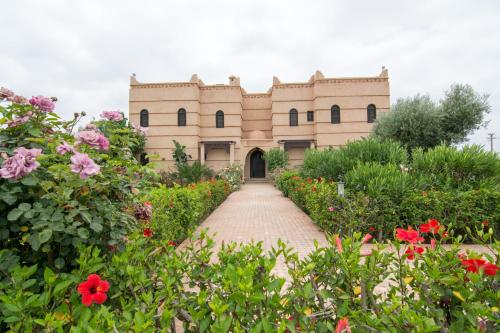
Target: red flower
x,y
314,188
320,179
372,229
431,226
476,265
309,180
343,326
148,204
366,239
171,243
412,250
93,290
338,243
486,223
410,235
147,232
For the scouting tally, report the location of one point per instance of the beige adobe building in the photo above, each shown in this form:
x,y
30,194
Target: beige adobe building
x,y
222,124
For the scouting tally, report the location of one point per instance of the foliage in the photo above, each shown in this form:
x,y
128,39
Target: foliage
x,y
188,173
233,175
56,205
335,163
379,198
178,210
418,122
276,158
151,284
466,168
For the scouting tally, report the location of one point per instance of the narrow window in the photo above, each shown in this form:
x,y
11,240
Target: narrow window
x,y
371,113
335,114
144,118
310,115
144,159
181,117
219,119
294,117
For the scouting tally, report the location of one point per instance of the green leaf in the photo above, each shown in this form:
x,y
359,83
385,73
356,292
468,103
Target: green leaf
x,y
29,180
83,233
59,263
49,276
45,235
8,198
62,286
14,214
97,227
24,206
34,242
12,319
86,216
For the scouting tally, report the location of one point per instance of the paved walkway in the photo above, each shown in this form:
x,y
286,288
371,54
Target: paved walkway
x,y
260,212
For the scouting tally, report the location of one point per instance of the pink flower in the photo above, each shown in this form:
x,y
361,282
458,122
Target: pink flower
x,y
433,244
21,164
139,129
366,239
45,104
112,115
65,148
91,127
84,165
19,99
6,93
18,121
331,209
93,139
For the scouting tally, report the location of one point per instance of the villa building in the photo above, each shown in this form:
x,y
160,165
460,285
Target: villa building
x,y
222,124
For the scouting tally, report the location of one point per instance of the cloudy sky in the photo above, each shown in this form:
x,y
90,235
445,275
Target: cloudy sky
x,y
84,51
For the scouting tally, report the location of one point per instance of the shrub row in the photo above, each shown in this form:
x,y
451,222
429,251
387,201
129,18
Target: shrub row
x,y
380,212
177,210
148,285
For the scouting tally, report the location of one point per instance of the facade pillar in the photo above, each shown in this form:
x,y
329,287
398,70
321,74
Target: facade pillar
x,y
231,153
312,145
202,153
282,145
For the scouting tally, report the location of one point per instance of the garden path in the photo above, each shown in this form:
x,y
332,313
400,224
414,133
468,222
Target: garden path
x,y
259,212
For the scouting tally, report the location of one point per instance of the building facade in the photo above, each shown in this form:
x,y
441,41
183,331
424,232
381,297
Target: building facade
x,y
222,124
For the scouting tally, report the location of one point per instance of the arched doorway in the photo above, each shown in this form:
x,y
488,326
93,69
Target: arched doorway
x,y
257,165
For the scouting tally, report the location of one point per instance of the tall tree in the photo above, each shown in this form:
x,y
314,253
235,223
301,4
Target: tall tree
x,y
419,122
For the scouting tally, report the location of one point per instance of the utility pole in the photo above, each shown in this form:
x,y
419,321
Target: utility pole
x,y
492,137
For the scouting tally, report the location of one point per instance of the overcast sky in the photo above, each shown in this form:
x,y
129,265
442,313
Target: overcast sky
x,y
84,51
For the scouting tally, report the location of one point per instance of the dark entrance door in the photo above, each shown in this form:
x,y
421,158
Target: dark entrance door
x,y
257,165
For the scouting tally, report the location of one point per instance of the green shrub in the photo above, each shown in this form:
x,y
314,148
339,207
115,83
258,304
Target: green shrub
x,y
469,167
335,163
178,210
276,158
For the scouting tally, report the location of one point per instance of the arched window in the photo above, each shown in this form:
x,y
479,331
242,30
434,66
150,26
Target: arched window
x,y
294,117
144,118
181,117
335,114
219,119
371,113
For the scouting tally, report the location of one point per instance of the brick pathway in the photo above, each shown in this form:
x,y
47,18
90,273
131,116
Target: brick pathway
x,y
260,212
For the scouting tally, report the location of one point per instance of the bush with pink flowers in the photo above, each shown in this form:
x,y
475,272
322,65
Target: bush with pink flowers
x,y
61,188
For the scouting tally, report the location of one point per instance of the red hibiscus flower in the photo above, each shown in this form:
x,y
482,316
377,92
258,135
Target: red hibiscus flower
x,y
432,226
171,243
366,239
147,232
486,223
476,265
410,252
343,326
372,229
93,290
411,236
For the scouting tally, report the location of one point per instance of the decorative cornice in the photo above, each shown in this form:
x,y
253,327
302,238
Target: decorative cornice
x,y
163,85
293,85
257,95
353,79
219,87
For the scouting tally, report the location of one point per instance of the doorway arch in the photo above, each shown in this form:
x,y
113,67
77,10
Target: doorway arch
x,y
257,164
